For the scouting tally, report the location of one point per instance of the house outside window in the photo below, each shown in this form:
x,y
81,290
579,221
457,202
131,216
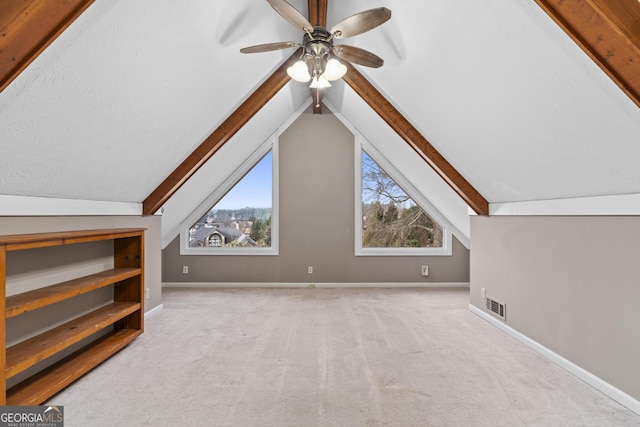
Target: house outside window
x,y
240,217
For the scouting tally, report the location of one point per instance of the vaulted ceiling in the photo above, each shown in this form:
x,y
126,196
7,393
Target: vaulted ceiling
x,y
509,102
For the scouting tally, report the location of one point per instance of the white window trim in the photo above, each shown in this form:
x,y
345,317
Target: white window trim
x,y
446,250
269,145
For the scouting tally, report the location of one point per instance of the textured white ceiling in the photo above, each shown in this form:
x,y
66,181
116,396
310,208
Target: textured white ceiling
x,y
126,93
133,86
508,99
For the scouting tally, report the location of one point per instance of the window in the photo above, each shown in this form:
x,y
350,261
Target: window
x,y
215,241
240,217
388,220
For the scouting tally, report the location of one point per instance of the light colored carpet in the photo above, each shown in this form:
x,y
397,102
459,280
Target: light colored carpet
x,y
330,357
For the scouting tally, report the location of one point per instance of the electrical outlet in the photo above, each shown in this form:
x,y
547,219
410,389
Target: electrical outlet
x,y
424,270
147,293
483,293
185,269
310,269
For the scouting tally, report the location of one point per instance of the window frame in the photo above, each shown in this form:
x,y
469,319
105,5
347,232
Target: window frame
x,y
361,144
221,190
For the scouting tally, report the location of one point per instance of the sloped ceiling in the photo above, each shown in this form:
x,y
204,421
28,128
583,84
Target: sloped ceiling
x,y
512,102
127,92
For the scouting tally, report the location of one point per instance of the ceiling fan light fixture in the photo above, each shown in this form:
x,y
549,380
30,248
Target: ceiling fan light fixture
x,y
319,83
299,72
334,70
320,61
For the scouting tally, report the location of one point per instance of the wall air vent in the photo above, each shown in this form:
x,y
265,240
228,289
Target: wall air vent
x,y
496,307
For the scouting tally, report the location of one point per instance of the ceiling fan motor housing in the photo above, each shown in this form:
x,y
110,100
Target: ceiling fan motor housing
x,y
317,46
318,42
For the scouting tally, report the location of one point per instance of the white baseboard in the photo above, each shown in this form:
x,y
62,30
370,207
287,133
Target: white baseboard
x,y
155,310
586,376
314,285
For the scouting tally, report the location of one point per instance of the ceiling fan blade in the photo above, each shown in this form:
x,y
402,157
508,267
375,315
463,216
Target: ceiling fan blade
x,y
361,22
268,47
291,14
358,56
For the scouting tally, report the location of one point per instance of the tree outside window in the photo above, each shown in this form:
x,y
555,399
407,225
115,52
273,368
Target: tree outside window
x,y
390,218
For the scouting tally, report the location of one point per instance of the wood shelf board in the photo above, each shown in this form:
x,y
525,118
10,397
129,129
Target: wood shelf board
x,y
18,242
46,383
29,352
38,298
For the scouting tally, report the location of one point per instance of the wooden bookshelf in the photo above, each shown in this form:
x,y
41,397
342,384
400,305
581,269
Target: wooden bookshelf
x,y
112,326
41,386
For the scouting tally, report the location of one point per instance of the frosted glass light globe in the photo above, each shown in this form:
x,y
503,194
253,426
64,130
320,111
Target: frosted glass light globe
x,y
319,83
299,72
334,70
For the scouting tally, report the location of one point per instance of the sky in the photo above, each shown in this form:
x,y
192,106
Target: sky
x,y
369,196
253,190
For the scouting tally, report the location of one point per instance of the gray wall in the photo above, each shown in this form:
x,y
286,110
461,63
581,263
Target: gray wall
x,y
316,224
570,283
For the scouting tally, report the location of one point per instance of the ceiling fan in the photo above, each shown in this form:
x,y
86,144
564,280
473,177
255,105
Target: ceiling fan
x,y
318,61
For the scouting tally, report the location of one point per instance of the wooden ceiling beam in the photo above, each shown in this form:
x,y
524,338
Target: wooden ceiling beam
x,y
258,99
318,12
608,31
27,27
415,140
